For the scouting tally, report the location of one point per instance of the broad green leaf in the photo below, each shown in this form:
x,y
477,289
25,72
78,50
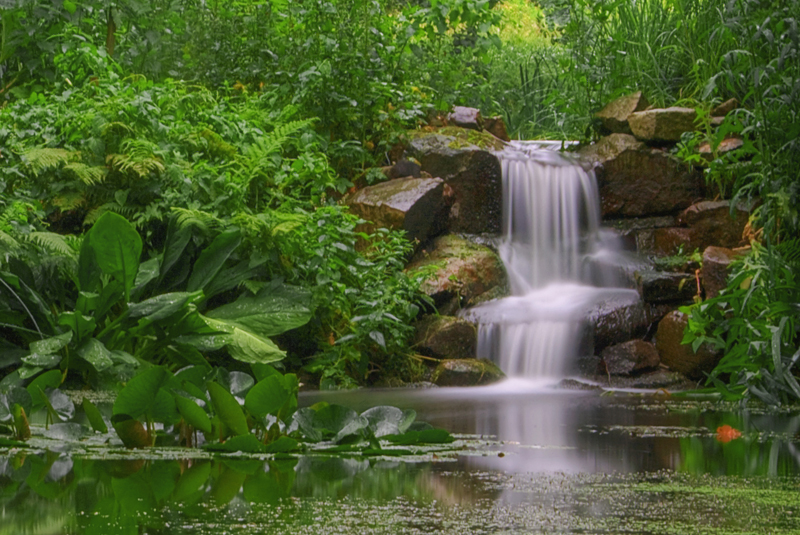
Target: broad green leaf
x,y
245,443
276,309
230,278
337,421
304,420
94,416
42,361
58,404
148,272
212,258
139,395
117,248
162,306
95,353
164,409
245,346
51,379
386,420
193,414
177,239
51,345
262,371
81,325
88,270
283,445
87,302
267,397
228,409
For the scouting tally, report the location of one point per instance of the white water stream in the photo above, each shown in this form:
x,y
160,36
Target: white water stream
x,y
554,252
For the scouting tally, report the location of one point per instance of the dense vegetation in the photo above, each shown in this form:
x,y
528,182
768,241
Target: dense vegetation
x,y
220,153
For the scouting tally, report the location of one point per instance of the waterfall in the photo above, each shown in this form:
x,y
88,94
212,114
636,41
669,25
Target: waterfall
x,y
553,250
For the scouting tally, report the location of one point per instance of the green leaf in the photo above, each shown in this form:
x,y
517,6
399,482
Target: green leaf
x,y
51,345
88,270
41,361
267,397
58,404
273,311
228,409
386,420
94,416
192,481
177,239
117,248
163,409
95,353
213,258
130,431
283,445
245,443
139,395
162,306
51,379
337,421
245,346
193,414
427,436
81,325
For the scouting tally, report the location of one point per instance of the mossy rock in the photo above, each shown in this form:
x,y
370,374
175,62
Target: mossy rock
x,y
467,372
461,138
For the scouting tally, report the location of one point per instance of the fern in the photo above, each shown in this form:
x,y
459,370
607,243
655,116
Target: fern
x,y
88,174
40,159
140,157
55,243
69,200
8,245
199,219
273,142
95,213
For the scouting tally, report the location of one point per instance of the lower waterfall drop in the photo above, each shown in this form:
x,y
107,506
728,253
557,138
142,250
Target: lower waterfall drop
x,y
553,251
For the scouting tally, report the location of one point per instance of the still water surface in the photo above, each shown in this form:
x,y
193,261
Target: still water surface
x,y
537,460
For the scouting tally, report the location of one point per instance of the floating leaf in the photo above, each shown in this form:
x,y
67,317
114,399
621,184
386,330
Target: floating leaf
x,y
245,443
386,420
427,436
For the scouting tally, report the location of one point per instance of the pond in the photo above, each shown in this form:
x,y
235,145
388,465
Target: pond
x,y
530,459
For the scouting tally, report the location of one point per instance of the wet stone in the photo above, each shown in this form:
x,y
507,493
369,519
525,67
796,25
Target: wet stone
x,y
717,267
678,356
446,337
467,372
630,358
663,287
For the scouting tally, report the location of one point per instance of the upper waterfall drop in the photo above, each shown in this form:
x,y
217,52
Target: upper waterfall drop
x,y
550,246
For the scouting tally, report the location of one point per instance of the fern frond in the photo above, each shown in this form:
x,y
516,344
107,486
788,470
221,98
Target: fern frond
x,y
199,219
88,174
140,157
274,141
8,244
69,200
52,242
40,159
115,129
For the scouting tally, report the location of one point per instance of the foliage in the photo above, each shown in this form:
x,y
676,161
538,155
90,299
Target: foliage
x,y
756,323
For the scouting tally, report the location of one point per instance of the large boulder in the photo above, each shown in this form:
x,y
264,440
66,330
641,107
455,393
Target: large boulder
x,y
629,358
712,223
662,124
614,116
615,321
446,337
637,181
416,205
463,271
717,267
463,159
466,372
721,110
678,356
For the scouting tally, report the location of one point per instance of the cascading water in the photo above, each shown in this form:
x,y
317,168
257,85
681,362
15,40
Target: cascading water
x,y
552,248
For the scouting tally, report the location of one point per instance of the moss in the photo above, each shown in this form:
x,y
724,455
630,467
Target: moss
x,y
462,138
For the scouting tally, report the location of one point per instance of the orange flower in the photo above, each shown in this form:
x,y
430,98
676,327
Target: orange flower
x,y
726,433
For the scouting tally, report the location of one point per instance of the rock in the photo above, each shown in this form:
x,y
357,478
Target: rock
x,y
725,108
726,145
416,205
467,372
658,379
680,357
636,234
465,117
462,159
711,223
637,181
468,270
716,268
446,337
616,321
497,127
404,168
662,287
669,241
614,116
662,124
630,357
